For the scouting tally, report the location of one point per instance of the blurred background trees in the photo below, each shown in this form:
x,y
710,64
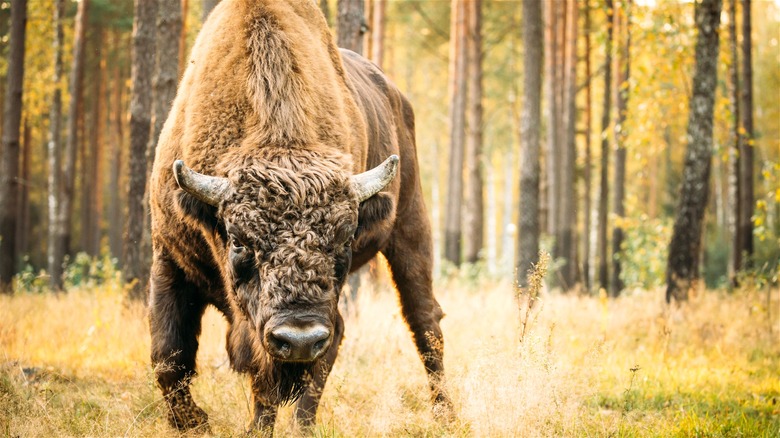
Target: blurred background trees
x,y
615,79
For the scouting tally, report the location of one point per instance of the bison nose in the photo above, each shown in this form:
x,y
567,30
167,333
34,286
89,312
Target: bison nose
x,y
299,344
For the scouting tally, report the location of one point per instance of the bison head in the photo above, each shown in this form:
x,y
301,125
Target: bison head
x,y
285,230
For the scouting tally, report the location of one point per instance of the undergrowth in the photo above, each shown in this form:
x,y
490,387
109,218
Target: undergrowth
x,y
78,365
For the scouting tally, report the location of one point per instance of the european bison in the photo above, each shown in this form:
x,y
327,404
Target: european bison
x,y
281,128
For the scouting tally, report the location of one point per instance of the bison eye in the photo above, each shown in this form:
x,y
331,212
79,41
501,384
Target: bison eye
x,y
237,247
346,234
239,254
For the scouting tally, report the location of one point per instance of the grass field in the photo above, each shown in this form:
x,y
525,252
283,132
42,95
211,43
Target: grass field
x,y
78,365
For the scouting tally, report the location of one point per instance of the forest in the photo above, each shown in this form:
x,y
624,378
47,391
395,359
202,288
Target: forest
x,y
602,179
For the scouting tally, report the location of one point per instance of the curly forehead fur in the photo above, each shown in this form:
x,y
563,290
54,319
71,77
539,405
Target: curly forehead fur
x,y
295,209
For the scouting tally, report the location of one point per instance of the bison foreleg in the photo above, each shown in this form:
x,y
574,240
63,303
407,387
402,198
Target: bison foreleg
x,y
410,257
174,318
265,413
306,409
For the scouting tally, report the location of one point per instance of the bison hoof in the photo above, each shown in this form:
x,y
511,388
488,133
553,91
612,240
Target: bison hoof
x,y
443,412
184,414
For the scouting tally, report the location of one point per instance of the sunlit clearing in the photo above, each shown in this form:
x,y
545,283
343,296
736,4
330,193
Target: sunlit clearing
x,y
78,365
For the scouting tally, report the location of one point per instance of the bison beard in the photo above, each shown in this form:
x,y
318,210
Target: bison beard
x,y
286,381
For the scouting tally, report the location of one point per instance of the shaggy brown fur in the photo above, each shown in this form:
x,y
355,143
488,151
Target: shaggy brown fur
x,y
268,102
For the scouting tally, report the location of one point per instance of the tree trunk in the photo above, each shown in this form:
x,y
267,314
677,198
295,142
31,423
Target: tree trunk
x,y
601,241
567,220
368,35
458,53
684,249
587,175
553,115
94,188
83,220
351,24
474,213
622,76
75,90
208,5
185,6
436,207
9,166
378,32
733,209
55,251
746,200
325,8
23,218
140,123
528,237
115,209
164,82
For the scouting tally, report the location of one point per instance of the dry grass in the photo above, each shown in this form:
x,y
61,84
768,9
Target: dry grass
x,y
78,365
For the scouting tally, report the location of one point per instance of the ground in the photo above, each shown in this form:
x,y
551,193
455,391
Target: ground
x,y
78,364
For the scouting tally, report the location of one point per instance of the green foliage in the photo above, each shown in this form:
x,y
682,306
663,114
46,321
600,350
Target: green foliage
x,y
88,271
644,251
29,280
82,271
766,220
716,260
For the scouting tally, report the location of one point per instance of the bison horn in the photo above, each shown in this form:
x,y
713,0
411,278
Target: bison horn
x,y
370,182
209,189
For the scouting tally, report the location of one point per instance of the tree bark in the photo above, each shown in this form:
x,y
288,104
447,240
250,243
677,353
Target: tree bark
x,y
378,32
567,220
9,166
84,180
208,6
164,82
473,218
368,35
733,210
351,24
587,174
528,236
75,90
115,209
23,218
622,76
185,6
552,152
55,252
685,247
601,240
140,123
747,201
93,166
325,8
458,53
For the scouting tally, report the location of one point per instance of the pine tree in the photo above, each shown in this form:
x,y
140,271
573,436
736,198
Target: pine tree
x,y
682,274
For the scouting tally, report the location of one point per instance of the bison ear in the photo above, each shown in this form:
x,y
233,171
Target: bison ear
x,y
196,211
374,210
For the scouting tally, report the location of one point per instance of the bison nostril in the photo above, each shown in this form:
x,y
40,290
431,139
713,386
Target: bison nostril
x,y
319,346
279,347
289,342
